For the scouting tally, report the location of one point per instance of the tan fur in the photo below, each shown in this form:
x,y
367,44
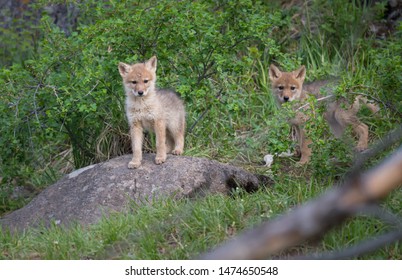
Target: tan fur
x,y
156,110
288,86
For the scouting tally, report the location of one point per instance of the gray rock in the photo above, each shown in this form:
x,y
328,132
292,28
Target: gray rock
x,y
87,194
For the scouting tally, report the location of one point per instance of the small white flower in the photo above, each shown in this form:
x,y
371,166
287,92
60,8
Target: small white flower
x,y
269,159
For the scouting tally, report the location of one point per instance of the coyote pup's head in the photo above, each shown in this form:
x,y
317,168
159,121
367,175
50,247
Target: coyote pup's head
x,y
139,79
287,86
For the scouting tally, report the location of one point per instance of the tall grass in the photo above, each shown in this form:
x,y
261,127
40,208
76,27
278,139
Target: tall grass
x,y
333,32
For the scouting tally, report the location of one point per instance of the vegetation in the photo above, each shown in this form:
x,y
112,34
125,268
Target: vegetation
x,y
62,107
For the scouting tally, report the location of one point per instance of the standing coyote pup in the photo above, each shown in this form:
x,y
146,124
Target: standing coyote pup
x,y
157,110
288,86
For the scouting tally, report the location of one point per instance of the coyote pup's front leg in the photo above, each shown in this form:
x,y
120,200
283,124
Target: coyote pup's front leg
x,y
136,133
160,133
305,149
303,143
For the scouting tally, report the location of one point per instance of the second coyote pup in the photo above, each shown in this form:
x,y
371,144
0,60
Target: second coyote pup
x,y
157,110
288,86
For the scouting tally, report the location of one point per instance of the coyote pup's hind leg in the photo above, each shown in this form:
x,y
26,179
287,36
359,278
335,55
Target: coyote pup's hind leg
x,y
169,142
361,130
179,143
176,132
349,117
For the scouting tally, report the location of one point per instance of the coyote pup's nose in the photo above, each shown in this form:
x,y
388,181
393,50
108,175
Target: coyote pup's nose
x,y
140,93
286,98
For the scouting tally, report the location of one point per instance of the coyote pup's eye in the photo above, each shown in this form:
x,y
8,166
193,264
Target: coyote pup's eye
x,y
134,82
145,81
280,87
292,87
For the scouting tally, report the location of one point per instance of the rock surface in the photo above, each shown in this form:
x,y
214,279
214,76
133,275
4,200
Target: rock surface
x,y
87,194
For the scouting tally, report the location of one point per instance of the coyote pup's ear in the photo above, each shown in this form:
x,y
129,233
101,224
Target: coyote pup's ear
x,y
151,64
300,73
124,69
274,72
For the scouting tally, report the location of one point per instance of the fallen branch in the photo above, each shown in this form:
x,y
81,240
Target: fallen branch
x,y
318,216
365,247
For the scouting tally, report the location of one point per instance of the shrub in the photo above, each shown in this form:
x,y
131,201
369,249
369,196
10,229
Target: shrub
x,y
70,95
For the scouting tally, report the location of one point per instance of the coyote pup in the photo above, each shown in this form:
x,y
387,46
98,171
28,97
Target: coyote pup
x,y
288,86
157,110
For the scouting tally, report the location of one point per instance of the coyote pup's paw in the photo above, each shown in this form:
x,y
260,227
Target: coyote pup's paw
x,y
303,161
134,164
160,159
177,152
361,148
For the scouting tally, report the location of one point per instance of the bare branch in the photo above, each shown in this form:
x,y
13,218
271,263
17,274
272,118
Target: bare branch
x,y
35,106
382,214
365,247
318,100
190,130
388,140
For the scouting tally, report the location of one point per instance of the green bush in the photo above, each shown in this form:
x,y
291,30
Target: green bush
x,y
70,95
